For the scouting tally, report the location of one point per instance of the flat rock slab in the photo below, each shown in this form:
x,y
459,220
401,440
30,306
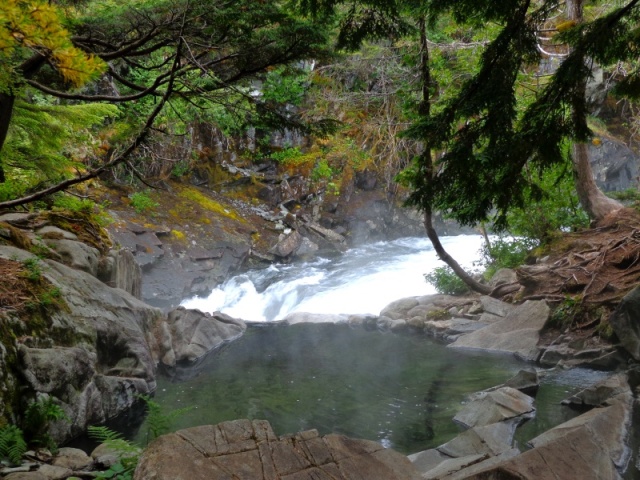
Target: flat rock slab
x,y
503,404
517,333
244,449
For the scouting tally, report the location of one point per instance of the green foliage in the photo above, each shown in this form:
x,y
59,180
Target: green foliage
x,y
158,422
628,195
551,206
446,281
46,142
564,314
180,169
288,156
322,171
37,419
506,253
141,201
284,86
33,270
127,452
12,444
73,204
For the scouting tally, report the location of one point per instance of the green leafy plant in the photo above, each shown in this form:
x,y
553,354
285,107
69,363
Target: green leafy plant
x,y
158,422
12,444
141,201
322,171
33,271
127,452
506,253
37,419
565,313
446,281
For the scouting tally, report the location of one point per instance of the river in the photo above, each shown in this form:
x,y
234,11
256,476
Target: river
x,y
396,389
363,280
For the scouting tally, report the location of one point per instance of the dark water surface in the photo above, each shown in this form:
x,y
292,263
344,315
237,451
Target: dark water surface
x,y
402,391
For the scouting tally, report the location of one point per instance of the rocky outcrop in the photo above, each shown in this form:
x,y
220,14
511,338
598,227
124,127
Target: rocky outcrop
x,y
251,450
625,322
501,405
194,334
95,354
517,333
589,447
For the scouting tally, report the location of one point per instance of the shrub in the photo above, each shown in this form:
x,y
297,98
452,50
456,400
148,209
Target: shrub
x,y
446,281
141,201
506,253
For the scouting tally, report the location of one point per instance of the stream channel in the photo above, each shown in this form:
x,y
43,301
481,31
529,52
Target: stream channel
x,y
400,390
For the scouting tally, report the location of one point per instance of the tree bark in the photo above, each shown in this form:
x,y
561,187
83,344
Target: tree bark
x,y
424,109
595,203
7,101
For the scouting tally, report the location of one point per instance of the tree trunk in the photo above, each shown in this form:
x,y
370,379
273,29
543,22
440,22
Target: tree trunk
x,y
7,101
596,204
424,109
471,282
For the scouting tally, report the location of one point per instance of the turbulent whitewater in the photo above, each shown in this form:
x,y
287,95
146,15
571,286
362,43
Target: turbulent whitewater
x,y
363,280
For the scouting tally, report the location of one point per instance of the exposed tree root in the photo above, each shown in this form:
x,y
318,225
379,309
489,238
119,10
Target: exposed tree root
x,y
596,266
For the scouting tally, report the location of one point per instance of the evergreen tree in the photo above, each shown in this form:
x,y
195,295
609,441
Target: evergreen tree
x,y
162,50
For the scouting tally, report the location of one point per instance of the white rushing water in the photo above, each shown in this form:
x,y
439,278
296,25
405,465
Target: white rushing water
x,y
363,280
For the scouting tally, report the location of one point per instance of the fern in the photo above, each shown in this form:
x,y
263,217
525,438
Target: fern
x,y
12,444
37,418
158,422
127,451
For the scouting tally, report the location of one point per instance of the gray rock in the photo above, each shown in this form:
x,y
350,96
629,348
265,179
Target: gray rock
x,y
72,458
600,393
26,476
496,307
287,245
589,447
119,269
105,346
503,276
495,406
76,254
250,450
625,322
55,472
52,232
518,333
194,333
492,439
526,381
306,249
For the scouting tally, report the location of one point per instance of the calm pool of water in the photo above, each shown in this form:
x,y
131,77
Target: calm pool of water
x,y
402,391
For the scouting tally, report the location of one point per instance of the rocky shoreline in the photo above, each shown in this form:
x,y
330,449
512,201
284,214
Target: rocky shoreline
x,y
101,346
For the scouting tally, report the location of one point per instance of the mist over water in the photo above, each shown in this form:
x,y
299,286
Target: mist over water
x,y
400,390
363,280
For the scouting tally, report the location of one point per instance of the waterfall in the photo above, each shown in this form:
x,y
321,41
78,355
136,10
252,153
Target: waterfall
x,y
361,281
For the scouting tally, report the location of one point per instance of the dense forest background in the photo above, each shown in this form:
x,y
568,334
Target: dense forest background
x,y
482,112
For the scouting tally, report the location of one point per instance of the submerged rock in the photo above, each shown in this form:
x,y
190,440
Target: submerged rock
x,y
503,404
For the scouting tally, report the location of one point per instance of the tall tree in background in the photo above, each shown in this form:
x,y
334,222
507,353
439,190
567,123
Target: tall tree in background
x,y
155,49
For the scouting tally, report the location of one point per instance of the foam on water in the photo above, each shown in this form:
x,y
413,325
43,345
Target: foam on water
x,y
363,280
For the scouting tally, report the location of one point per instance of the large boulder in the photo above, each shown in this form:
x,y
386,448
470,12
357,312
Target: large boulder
x,y
503,404
588,447
95,353
247,449
625,322
517,333
194,333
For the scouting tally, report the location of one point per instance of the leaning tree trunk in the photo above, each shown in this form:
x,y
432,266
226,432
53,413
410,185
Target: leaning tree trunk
x,y
596,204
424,109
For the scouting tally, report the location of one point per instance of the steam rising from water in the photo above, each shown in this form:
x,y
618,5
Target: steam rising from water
x,y
363,280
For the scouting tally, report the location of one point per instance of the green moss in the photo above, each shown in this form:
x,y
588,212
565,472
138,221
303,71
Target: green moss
x,y
438,314
208,203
